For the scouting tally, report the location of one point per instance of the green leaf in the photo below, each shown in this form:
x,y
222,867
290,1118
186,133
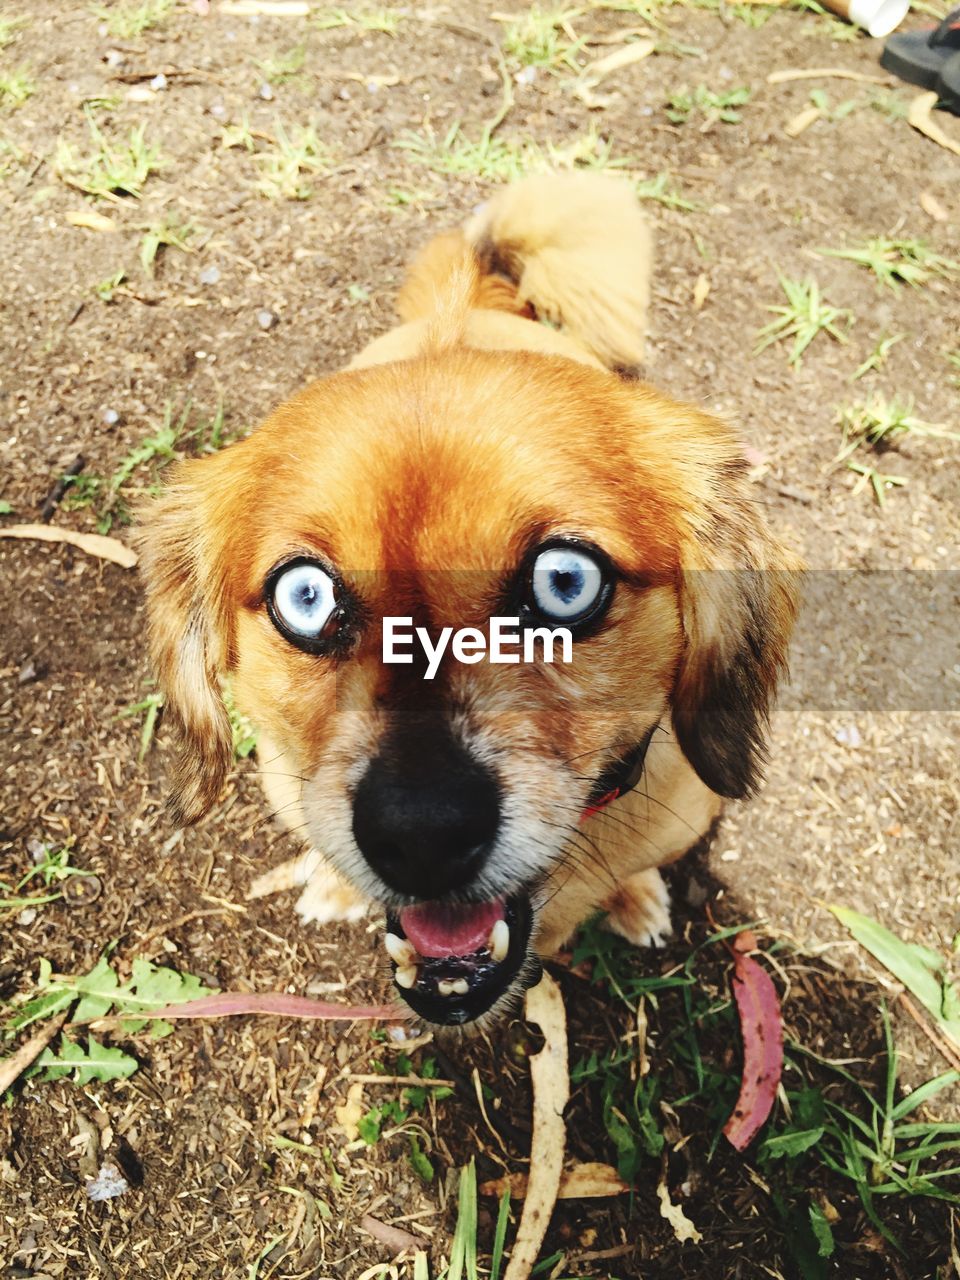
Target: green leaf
x,y
790,1144
419,1161
922,1093
368,1126
821,1231
5,508
919,969
500,1235
463,1249
96,1062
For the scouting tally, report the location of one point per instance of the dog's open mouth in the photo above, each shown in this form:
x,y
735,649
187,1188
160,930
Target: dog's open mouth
x,y
453,961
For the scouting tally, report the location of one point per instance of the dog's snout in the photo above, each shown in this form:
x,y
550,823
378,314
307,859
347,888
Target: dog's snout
x,y
425,817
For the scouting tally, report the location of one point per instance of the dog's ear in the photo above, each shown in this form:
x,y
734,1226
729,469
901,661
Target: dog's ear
x,y
739,601
187,640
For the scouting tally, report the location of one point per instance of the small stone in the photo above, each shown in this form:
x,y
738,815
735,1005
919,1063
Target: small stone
x,y
36,849
218,111
27,915
267,319
158,83
210,275
110,417
848,736
266,92
526,76
28,672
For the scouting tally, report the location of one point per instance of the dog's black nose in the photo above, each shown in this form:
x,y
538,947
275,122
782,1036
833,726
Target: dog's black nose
x,y
425,815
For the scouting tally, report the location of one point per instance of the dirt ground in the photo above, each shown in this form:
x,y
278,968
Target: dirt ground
x,y
861,804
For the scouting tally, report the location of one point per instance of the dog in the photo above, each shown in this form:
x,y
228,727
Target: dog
x,y
495,454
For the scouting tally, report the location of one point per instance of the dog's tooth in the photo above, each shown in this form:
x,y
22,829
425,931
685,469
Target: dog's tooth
x,y
460,986
448,987
499,941
400,951
406,976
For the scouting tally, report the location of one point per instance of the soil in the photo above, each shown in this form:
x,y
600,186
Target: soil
x,y
861,803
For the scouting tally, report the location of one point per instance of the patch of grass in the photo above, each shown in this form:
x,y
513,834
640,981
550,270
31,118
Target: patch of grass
x,y
106,288
386,21
543,38
114,168
877,357
11,28
51,867
175,439
898,261
492,158
663,192
284,67
828,1122
712,106
12,157
820,100
16,87
238,135
294,154
893,105
167,233
150,708
399,1114
805,315
497,159
125,20
405,197
881,423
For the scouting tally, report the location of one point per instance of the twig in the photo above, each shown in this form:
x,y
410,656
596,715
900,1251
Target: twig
x,y
14,1066
944,1045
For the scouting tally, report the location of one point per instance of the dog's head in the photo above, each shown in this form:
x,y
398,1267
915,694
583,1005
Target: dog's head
x,y
447,490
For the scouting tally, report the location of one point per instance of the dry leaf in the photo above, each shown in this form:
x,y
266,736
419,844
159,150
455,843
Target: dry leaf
x,y
90,220
700,291
551,1091
793,128
683,1228
226,1004
919,117
761,1026
95,544
931,205
607,65
350,1113
588,1181
818,73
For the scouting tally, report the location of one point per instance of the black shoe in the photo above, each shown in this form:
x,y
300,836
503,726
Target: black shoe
x,y
919,56
948,85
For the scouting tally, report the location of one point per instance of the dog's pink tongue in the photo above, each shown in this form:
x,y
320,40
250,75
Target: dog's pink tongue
x,y
441,929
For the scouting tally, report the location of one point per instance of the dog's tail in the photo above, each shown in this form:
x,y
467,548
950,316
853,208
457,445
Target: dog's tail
x,y
571,249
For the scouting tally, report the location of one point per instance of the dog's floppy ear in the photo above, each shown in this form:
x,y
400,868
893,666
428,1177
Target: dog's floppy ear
x,y
187,641
739,601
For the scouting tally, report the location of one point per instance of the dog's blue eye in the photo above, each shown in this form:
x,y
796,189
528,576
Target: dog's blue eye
x,y
303,599
566,583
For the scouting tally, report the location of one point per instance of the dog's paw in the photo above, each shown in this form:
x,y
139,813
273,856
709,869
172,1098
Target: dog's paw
x,y
640,910
328,898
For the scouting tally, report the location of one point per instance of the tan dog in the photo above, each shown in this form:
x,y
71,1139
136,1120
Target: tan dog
x,y
476,463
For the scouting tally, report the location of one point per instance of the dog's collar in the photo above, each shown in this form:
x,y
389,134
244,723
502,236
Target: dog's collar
x,y
619,778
